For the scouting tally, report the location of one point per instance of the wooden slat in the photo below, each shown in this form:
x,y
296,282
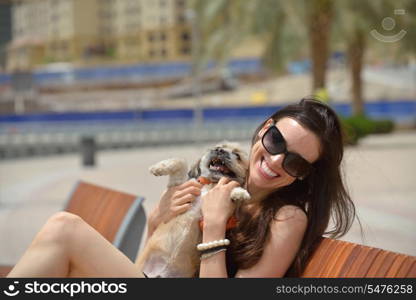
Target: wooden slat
x,y
102,208
368,261
386,264
336,249
335,258
349,261
406,266
412,270
340,260
317,258
395,267
383,257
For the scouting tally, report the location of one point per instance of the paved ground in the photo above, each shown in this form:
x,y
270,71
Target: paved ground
x,y
379,172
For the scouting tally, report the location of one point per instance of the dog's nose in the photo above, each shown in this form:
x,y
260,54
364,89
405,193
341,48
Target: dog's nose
x,y
220,151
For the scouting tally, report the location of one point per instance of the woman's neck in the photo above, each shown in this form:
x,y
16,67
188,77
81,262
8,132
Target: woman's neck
x,y
256,195
252,208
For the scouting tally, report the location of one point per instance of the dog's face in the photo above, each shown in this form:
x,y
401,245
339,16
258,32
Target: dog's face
x,y
225,159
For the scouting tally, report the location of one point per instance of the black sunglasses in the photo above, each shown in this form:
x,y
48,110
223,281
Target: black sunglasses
x,y
294,164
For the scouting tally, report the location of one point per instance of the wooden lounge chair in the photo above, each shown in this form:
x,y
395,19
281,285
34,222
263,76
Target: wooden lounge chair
x,y
335,258
121,219
118,216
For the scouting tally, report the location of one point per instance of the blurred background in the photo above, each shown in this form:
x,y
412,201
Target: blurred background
x,y
99,90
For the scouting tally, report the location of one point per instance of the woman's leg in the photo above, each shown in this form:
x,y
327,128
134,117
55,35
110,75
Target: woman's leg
x,y
68,247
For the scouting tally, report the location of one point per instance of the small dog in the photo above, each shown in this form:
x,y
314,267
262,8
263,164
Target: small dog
x,y
171,250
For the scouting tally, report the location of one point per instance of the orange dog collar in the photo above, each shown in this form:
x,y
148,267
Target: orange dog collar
x,y
231,223
203,180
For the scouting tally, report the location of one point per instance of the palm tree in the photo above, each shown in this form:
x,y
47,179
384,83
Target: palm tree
x,y
220,26
312,19
354,21
289,24
319,20
267,25
284,26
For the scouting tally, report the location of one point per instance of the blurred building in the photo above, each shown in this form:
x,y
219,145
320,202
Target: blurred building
x,y
51,30
91,31
5,31
149,30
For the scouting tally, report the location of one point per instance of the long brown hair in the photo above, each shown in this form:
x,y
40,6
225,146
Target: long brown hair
x,y
321,194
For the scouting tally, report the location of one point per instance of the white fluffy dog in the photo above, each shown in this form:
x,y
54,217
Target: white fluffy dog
x,y
171,250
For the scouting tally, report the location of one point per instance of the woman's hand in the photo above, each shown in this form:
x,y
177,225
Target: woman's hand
x,y
174,201
217,206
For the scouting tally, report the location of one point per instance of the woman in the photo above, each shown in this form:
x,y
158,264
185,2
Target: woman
x,y
295,183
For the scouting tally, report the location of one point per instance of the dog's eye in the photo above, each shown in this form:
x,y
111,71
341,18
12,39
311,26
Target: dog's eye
x,y
237,155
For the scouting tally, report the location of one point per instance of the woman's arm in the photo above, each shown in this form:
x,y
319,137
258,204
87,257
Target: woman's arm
x,y
215,265
217,207
174,201
286,234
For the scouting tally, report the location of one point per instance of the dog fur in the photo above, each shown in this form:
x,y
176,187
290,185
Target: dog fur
x,y
171,250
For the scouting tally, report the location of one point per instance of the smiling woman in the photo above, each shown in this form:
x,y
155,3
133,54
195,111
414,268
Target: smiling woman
x,y
295,185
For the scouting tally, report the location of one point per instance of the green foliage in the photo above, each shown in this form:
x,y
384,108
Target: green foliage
x,y
383,126
49,59
357,127
110,52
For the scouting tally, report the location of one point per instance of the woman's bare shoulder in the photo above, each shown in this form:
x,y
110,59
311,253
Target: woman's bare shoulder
x,y
291,214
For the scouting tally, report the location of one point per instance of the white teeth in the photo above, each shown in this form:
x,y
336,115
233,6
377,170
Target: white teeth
x,y
267,170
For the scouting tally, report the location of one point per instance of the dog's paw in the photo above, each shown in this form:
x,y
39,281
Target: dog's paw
x,y
239,194
168,167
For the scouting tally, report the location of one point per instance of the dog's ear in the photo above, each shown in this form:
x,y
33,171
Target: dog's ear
x,y
195,170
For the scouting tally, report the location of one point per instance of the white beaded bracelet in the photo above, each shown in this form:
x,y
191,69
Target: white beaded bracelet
x,y
213,244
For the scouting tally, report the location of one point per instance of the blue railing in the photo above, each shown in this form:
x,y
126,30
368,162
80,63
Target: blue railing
x,y
54,133
403,110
